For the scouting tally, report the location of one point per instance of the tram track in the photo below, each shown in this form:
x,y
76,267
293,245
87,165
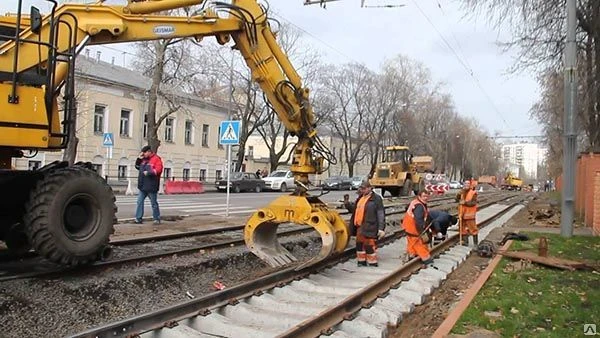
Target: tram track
x,y
217,308
130,250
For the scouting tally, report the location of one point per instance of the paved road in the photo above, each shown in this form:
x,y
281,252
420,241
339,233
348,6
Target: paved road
x,y
209,203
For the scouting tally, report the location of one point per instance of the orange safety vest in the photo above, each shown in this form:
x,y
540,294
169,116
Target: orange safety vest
x,y
469,212
409,223
359,213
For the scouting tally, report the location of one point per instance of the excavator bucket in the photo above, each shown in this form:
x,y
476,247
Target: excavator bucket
x,y
260,232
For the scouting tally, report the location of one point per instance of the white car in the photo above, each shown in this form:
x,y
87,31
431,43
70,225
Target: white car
x,y
281,180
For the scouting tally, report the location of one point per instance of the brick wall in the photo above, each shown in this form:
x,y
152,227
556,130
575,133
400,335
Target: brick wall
x,y
596,202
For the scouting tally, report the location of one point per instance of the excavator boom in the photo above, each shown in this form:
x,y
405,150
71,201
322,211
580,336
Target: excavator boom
x,y
37,63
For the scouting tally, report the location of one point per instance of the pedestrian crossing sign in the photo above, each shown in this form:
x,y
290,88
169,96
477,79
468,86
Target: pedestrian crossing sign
x,y
230,132
109,141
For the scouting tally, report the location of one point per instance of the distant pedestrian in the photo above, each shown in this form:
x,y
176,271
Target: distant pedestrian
x,y
367,223
258,173
150,168
264,172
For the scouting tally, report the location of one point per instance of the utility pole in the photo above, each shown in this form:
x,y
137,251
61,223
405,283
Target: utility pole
x,y
570,135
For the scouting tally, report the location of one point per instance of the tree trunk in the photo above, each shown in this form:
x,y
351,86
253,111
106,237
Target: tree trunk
x,y
157,77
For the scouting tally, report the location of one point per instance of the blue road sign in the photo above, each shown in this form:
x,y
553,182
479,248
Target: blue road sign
x,y
230,132
109,140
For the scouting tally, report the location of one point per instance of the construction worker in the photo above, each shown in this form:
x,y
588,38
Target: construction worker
x,y
415,226
367,222
440,222
467,210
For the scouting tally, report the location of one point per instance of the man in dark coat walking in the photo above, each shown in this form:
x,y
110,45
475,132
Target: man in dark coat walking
x,y
150,168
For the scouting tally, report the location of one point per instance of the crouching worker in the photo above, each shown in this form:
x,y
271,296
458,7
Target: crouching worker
x,y
440,222
415,225
367,223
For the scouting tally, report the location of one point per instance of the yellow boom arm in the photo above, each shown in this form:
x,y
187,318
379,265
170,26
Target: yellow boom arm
x,y
33,67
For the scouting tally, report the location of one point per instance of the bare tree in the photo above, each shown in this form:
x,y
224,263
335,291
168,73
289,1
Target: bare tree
x,y
349,86
538,35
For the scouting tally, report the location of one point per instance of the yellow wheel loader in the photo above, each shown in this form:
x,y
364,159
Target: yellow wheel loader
x,y
401,173
66,212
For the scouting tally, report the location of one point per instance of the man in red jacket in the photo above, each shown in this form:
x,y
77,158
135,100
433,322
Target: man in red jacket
x,y
150,168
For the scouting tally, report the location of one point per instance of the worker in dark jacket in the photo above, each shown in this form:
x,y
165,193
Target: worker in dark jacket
x,y
367,223
440,222
150,168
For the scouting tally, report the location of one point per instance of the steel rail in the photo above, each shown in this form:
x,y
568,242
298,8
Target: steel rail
x,y
315,326
156,255
168,316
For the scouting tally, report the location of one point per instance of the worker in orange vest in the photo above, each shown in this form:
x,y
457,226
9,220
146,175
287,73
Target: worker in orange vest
x,y
367,223
467,211
416,227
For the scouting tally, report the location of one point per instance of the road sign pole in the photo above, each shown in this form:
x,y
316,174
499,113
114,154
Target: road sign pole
x,y
228,178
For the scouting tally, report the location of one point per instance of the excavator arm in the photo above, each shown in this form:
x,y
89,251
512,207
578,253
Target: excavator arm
x,y
38,62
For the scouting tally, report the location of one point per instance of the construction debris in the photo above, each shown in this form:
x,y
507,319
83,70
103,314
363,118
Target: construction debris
x,y
549,260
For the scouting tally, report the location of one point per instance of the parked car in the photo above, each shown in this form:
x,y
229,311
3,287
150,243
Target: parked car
x,y
337,183
241,181
281,180
455,185
356,181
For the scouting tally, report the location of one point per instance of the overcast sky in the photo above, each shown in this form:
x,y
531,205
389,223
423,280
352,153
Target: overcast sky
x,y
435,32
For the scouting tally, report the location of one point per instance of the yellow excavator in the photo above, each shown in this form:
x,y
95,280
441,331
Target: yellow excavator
x,y
66,212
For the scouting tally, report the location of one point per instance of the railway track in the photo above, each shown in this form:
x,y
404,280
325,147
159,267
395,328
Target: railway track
x,y
334,297
130,251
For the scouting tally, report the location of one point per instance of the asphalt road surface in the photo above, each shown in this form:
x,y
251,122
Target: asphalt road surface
x,y
211,203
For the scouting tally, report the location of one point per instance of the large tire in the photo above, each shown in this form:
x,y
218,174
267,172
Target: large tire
x,y
419,187
283,187
70,215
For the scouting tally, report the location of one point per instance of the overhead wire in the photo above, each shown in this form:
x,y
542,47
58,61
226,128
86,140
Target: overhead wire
x,y
465,65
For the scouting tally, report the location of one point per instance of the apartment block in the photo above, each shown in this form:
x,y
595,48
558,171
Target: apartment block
x,y
113,99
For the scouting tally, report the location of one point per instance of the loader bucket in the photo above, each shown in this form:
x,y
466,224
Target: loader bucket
x,y
260,233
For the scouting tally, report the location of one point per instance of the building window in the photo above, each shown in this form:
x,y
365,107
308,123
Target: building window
x,y
202,174
186,174
34,165
218,174
145,126
189,136
124,126
99,112
97,168
219,145
167,173
122,173
251,151
169,122
205,135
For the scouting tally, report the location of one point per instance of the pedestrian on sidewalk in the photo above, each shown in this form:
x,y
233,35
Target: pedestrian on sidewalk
x,y
367,223
150,168
416,227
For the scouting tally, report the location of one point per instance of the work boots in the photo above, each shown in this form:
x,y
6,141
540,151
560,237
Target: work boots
x,y
465,240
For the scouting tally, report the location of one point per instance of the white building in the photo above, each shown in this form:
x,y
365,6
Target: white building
x,y
525,156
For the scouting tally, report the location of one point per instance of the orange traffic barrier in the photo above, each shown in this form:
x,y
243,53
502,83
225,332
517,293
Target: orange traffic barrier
x,y
183,187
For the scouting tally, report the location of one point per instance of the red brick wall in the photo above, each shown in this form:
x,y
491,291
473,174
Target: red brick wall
x,y
596,202
590,165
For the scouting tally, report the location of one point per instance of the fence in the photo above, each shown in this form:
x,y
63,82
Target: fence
x,y
587,190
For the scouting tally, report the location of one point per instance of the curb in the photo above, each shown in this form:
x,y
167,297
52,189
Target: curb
x,y
444,329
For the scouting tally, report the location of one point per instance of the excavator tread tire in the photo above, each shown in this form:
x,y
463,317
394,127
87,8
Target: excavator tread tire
x,y
77,194
406,187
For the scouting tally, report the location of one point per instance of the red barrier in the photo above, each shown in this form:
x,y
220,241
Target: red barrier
x,y
183,187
